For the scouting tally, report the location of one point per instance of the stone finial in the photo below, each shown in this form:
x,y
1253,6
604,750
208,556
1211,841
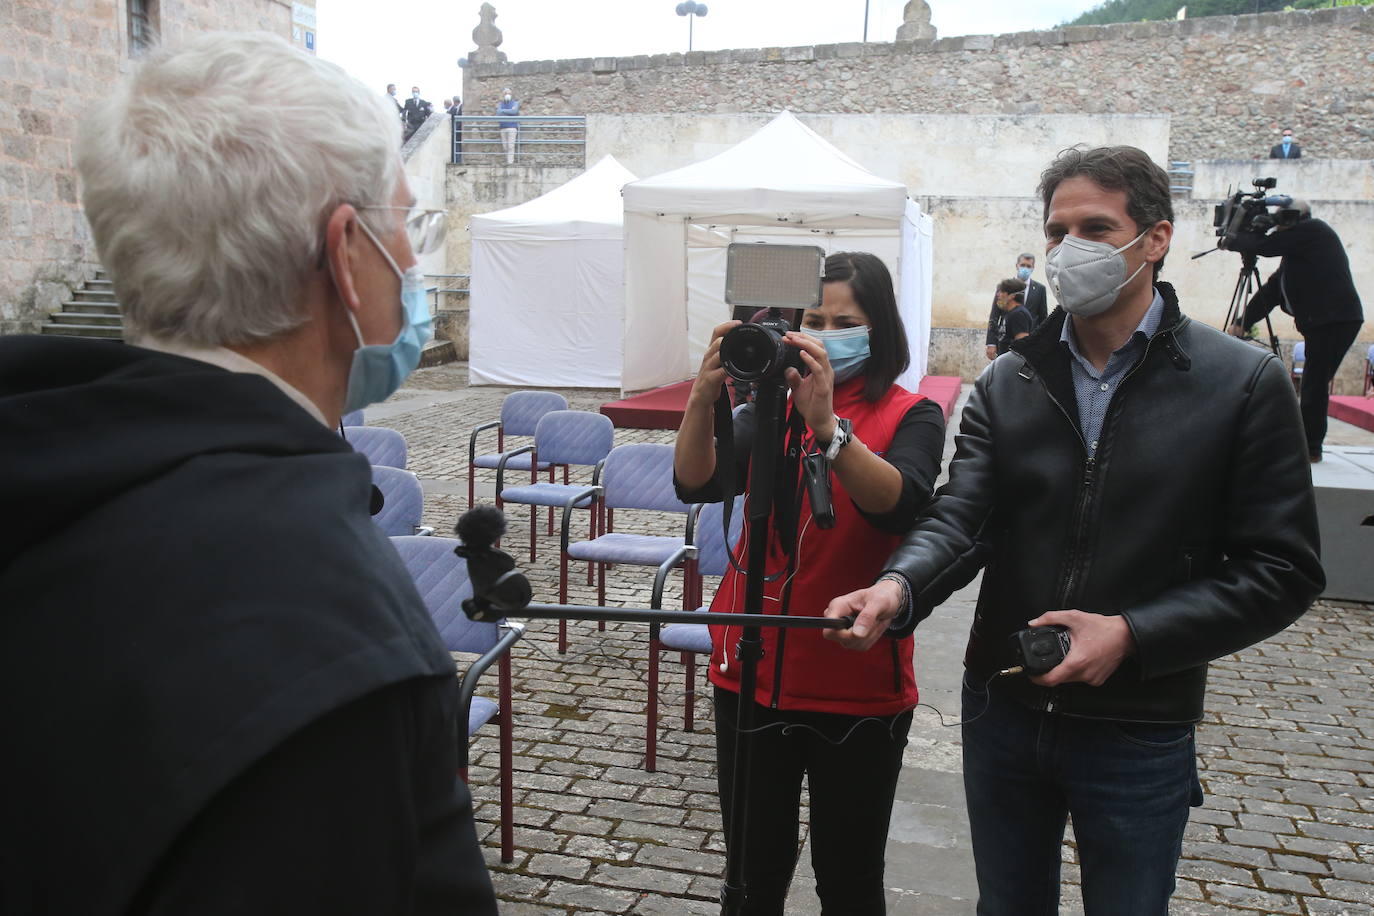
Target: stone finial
x,y
915,22
488,38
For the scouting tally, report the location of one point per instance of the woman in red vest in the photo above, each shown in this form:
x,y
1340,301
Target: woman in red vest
x,y
848,712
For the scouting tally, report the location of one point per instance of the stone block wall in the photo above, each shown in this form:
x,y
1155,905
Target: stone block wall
x,y
58,58
1228,82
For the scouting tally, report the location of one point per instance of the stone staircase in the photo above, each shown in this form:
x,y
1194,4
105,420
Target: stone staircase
x,y
91,312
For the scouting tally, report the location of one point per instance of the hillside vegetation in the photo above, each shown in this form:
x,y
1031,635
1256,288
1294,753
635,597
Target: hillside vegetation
x,y
1141,10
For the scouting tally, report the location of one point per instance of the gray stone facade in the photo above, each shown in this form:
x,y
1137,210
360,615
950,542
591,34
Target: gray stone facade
x,y
57,59
1229,82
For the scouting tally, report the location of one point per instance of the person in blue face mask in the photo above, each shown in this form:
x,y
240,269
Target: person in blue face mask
x,y
274,708
1034,303
884,446
1287,147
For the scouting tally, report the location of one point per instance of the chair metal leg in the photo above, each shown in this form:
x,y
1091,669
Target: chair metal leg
x,y
562,637
593,529
651,724
507,764
534,520
689,713
601,584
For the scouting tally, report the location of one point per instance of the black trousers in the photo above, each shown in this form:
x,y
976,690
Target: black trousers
x,y
1326,347
851,787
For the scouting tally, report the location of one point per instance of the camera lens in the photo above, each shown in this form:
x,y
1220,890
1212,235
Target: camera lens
x,y
750,352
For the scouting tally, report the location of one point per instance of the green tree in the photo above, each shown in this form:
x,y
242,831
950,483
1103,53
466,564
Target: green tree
x,y
1143,10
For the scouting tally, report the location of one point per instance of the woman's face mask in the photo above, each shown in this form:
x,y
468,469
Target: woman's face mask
x,y
846,348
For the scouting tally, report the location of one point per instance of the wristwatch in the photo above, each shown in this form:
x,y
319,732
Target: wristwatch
x,y
842,436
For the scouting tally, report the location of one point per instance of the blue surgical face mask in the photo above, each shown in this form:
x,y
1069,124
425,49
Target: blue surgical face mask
x,y
1024,273
847,349
379,369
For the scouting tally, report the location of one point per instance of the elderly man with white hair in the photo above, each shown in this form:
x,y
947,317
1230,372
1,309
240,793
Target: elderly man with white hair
x,y
223,692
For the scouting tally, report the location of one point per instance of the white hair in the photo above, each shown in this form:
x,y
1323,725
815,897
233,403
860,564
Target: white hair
x,y
209,175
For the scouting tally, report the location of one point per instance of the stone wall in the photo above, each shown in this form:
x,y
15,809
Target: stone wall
x,y
1228,83
57,59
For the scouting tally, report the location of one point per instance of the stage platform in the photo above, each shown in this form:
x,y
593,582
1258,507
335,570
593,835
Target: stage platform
x,y
1353,409
662,408
1344,485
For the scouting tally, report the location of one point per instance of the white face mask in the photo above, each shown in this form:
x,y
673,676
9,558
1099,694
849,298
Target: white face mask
x,y
1087,276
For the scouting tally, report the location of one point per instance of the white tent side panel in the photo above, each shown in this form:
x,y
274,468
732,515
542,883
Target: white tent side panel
x,y
914,290
546,313
655,291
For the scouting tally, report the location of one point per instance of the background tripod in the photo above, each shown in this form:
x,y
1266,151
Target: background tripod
x,y
1246,284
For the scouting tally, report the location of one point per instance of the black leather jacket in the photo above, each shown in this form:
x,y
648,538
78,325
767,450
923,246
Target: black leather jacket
x,y
1195,521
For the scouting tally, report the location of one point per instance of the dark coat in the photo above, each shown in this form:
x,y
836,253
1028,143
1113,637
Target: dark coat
x,y
1313,280
1294,151
417,112
223,692
1195,520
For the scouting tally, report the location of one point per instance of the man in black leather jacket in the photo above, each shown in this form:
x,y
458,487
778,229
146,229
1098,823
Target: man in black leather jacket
x,y
1314,285
1138,478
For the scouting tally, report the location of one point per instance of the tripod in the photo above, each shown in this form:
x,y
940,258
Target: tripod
x,y
499,589
1247,283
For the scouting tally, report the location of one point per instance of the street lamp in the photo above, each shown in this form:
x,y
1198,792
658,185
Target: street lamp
x,y
691,9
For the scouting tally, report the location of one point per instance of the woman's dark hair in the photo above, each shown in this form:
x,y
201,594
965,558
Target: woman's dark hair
x,y
1011,286
1115,168
871,284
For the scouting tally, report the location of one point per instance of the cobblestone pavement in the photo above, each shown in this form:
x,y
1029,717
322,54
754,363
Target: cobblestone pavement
x,y
1286,751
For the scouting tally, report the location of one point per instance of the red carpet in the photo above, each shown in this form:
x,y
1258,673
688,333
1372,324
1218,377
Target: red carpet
x,y
662,408
1352,409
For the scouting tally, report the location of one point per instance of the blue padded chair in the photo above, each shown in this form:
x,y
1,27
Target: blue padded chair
x,y
353,418
636,476
403,502
689,639
566,438
380,445
441,577
1369,371
1299,359
520,413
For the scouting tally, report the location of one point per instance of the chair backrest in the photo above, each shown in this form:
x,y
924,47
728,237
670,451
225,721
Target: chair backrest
x,y
352,418
403,500
441,577
1300,352
713,557
573,437
521,410
640,476
1369,357
379,444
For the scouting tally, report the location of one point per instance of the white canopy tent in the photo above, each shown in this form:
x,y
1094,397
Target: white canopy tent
x,y
548,286
784,184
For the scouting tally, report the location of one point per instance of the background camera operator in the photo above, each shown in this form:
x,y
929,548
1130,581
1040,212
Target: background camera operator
x,y
1313,284
856,706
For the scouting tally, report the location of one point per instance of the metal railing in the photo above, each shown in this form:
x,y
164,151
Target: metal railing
x,y
1180,177
539,140
446,284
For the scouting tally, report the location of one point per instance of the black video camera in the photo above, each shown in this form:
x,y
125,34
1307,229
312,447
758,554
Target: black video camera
x,y
1038,649
1248,211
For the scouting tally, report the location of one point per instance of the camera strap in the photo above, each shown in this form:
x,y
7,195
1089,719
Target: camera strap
x,y
786,505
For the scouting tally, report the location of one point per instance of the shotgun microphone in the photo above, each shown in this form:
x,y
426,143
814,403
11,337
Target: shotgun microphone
x,y
498,587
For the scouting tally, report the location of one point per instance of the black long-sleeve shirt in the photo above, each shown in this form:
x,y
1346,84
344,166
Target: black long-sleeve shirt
x,y
1313,279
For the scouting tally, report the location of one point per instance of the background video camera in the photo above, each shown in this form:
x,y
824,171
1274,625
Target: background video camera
x,y
769,287
1248,211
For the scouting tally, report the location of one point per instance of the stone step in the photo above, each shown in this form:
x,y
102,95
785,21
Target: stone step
x,y
437,352
87,294
100,282
95,307
87,318
101,276
83,330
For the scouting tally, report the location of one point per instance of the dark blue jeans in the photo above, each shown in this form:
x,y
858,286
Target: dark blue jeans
x,y
1128,788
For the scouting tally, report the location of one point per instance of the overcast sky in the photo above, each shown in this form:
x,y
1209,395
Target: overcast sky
x,y
419,41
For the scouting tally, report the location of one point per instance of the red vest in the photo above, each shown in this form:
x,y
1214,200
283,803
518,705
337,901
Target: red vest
x,y
816,674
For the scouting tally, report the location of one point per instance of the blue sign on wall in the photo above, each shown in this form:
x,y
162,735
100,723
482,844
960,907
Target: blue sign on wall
x,y
309,40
